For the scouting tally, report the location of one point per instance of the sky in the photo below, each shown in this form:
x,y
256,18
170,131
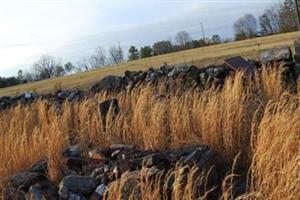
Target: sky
x,y
72,29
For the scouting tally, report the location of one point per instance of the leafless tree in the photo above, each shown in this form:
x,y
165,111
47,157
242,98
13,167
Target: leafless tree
x,y
183,38
83,65
116,54
245,27
46,67
162,47
99,58
270,21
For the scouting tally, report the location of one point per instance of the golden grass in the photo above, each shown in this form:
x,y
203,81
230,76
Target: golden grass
x,y
200,57
256,120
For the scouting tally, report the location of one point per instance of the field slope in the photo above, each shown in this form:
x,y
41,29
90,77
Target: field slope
x,y
200,57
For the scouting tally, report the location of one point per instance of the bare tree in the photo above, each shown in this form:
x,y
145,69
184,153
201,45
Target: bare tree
x,y
162,47
83,65
99,58
183,38
116,54
46,67
270,21
245,27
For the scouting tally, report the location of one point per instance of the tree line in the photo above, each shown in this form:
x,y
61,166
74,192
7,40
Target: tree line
x,y
48,66
278,18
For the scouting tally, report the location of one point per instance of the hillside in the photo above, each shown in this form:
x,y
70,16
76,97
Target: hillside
x,y
200,57
176,132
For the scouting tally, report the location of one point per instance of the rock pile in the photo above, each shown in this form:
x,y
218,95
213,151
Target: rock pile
x,y
189,76
29,97
97,175
180,76
282,57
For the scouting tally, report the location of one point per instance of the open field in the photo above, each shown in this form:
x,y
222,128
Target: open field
x,y
259,121
200,57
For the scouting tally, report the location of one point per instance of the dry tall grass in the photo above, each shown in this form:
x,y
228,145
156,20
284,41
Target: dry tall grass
x,y
257,120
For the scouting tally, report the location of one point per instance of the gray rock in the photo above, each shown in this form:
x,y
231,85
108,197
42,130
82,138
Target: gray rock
x,y
63,94
75,95
109,83
35,193
153,75
131,74
24,180
100,190
182,68
157,159
84,185
28,95
74,196
96,172
166,69
40,167
276,55
73,151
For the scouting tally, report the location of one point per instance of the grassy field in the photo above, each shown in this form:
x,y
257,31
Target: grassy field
x,y
200,57
259,121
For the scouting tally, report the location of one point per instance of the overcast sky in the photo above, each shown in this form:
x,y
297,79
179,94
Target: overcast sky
x,y
72,29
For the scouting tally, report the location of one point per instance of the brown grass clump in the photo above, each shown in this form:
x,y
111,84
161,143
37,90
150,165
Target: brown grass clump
x,y
257,120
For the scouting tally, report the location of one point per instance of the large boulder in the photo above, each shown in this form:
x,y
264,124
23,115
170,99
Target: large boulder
x,y
84,185
109,83
281,54
158,160
24,180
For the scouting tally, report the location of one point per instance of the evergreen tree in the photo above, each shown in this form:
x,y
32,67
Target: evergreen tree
x,y
133,53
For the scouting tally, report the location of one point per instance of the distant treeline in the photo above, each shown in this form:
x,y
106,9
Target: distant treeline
x,y
279,18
